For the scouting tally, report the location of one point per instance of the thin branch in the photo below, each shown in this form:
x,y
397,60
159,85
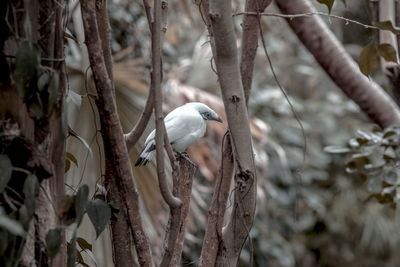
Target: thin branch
x,y
147,8
114,144
133,136
156,86
307,14
250,43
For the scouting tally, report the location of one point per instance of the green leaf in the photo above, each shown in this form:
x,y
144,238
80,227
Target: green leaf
x,y
53,90
72,158
328,3
387,26
5,171
11,225
84,244
74,134
72,252
368,60
3,242
26,68
53,242
81,202
30,191
99,214
388,52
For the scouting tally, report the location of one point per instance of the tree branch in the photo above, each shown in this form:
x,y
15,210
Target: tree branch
x,y
250,43
330,54
218,206
114,144
227,64
178,216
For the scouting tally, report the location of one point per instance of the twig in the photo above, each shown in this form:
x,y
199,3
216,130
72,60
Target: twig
x,y
307,14
147,8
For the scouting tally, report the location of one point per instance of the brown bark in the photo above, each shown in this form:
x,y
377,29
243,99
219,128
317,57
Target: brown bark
x,y
227,64
250,43
330,54
218,206
114,144
183,190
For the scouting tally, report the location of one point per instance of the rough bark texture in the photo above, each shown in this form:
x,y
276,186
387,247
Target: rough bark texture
x,y
330,54
227,63
114,143
250,42
183,190
218,206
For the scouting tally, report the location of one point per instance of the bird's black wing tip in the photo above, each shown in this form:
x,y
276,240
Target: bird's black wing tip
x,y
139,162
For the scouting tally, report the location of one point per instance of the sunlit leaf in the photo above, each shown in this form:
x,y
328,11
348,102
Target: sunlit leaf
x,y
5,171
53,242
11,225
74,134
368,59
388,52
99,214
387,26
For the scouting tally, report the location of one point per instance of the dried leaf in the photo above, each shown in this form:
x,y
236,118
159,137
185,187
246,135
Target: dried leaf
x,y
84,244
368,59
388,52
328,3
387,26
72,158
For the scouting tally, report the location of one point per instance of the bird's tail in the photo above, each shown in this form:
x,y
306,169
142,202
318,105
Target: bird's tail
x,y
146,155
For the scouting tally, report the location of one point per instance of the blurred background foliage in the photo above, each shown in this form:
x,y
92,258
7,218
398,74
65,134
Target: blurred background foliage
x,y
309,211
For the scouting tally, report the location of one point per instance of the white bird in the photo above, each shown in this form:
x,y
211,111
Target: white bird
x,y
185,125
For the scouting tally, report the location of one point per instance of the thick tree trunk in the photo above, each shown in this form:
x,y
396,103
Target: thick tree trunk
x,y
330,54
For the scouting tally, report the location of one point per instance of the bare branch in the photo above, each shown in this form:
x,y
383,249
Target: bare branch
x,y
178,217
114,144
227,64
156,86
218,206
133,136
250,43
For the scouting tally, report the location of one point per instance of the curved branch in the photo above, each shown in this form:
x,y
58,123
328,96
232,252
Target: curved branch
x,y
133,136
330,54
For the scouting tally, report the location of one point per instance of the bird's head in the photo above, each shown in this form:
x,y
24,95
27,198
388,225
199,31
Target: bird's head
x,y
206,112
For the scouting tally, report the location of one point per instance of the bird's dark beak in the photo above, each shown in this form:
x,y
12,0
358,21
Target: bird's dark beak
x,y
219,120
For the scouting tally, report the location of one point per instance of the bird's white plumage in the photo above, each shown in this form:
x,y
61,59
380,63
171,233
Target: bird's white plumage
x,y
185,125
